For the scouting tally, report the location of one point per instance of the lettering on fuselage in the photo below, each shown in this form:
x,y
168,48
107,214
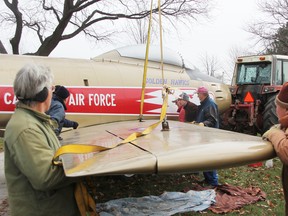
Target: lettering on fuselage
x,y
155,81
93,100
102,99
179,82
9,98
172,82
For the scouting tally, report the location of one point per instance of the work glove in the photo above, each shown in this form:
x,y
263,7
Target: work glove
x,y
267,135
199,124
59,138
75,125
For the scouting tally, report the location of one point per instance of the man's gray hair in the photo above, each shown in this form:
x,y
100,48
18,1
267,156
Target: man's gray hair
x,y
30,80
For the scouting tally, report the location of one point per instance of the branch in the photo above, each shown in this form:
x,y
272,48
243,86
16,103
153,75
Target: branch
x,y
15,41
55,12
37,28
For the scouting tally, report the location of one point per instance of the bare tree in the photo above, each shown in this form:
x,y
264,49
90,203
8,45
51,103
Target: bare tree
x,y
53,21
267,30
280,43
210,64
234,53
137,30
229,63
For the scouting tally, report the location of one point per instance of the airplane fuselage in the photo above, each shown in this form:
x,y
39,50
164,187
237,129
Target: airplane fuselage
x,y
107,88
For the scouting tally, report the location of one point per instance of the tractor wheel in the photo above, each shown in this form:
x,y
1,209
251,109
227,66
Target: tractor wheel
x,y
269,115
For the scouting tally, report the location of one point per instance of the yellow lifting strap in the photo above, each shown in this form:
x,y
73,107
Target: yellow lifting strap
x,y
76,149
85,203
161,41
147,55
146,63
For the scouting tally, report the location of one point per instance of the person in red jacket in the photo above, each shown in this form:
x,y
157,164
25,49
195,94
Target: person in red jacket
x,y
180,110
190,108
278,136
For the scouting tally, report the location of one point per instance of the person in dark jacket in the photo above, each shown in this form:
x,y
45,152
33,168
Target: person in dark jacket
x,y
57,110
189,107
208,116
35,186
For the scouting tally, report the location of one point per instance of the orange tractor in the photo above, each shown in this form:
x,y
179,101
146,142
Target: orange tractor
x,y
256,82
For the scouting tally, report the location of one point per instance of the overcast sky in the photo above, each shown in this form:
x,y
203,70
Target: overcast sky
x,y
216,37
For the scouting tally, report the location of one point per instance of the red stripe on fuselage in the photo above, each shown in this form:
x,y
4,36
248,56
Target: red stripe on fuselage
x,y
102,100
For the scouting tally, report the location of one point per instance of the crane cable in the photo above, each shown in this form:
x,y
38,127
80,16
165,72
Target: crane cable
x,y
161,44
165,90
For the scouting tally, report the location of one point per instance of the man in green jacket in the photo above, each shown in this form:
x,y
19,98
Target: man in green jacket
x,y
35,186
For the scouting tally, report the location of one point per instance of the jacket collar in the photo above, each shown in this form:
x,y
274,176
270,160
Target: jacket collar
x,y
205,100
42,116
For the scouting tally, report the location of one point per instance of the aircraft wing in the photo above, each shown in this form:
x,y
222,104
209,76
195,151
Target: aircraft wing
x,y
184,148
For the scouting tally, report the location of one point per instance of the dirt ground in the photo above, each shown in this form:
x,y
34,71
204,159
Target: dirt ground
x,y
4,208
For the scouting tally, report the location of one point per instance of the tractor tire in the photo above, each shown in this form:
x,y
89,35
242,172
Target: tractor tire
x,y
269,115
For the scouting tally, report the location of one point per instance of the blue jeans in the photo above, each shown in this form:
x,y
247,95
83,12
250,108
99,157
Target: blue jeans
x,y
211,177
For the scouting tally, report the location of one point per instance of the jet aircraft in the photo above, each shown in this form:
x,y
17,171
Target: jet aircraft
x,y
107,88
105,100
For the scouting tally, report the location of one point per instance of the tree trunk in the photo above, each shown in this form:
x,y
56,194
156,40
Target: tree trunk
x,y
2,48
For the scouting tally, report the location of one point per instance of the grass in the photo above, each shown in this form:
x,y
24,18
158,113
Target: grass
x,y
267,179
